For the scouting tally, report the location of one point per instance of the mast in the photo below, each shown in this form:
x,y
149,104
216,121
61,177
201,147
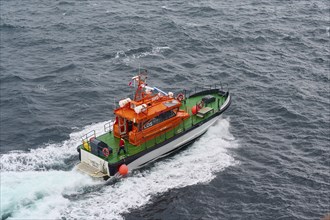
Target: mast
x,y
141,79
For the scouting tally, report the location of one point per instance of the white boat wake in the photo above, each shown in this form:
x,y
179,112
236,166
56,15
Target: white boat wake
x,y
53,194
49,156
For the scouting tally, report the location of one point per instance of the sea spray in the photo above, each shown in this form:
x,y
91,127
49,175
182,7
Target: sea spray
x,y
39,192
49,156
197,164
53,194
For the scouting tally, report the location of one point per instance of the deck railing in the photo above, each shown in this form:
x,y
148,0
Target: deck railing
x,y
109,126
89,135
182,127
222,87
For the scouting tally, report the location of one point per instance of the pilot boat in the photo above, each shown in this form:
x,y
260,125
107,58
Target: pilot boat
x,y
149,126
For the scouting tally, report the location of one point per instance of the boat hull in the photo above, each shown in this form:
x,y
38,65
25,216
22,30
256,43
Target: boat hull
x,y
101,168
173,145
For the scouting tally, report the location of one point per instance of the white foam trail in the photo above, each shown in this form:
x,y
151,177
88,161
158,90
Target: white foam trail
x,y
155,51
40,193
120,54
50,155
128,59
197,164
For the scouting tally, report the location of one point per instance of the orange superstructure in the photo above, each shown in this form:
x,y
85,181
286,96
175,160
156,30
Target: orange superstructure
x,y
149,115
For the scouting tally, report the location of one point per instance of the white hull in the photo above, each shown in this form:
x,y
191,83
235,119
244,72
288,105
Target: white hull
x,y
98,165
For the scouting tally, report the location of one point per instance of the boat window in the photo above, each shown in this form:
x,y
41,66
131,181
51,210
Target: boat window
x,y
130,126
171,103
160,118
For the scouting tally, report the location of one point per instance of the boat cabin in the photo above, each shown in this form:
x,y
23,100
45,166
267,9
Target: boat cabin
x,y
151,113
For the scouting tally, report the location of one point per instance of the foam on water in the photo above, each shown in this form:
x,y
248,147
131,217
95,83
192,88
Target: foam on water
x,y
48,156
43,194
196,165
154,51
37,194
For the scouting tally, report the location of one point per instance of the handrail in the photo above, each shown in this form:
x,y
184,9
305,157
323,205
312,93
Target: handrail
x,y
146,144
198,89
89,135
108,127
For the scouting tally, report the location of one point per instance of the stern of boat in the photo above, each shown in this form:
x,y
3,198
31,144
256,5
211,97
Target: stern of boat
x,y
92,165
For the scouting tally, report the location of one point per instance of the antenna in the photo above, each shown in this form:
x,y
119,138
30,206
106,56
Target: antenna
x,y
139,69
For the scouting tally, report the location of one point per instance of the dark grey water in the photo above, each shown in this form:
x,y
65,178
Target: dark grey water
x,y
62,64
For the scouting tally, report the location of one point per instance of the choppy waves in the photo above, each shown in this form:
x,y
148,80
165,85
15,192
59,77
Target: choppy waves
x,y
64,62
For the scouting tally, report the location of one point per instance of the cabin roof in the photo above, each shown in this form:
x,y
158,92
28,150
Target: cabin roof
x,y
153,109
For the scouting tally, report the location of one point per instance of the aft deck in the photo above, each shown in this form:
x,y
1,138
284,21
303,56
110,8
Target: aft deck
x,y
207,111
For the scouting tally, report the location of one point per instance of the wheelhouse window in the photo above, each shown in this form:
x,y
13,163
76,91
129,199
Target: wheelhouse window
x,y
160,118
